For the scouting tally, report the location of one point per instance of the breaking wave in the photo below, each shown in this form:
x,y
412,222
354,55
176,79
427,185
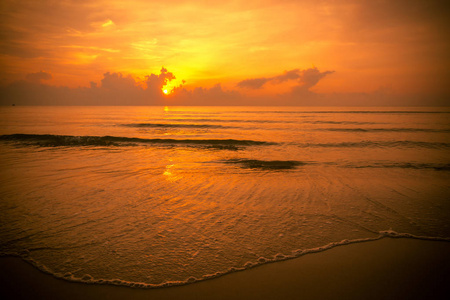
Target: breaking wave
x,y
88,279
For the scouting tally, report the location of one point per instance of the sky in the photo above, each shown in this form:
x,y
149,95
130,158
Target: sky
x,y
242,52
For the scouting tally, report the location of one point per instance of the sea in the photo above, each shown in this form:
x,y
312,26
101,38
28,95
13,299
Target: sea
x,y
159,196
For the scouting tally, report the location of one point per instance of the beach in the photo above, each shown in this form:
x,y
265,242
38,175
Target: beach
x,y
389,268
227,199
224,150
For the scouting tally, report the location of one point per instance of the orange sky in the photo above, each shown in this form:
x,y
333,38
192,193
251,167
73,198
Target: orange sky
x,y
399,45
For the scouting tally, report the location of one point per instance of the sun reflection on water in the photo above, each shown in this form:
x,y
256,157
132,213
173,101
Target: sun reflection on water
x,y
170,174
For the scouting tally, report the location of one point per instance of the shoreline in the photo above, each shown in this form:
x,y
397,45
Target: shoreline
x,y
387,268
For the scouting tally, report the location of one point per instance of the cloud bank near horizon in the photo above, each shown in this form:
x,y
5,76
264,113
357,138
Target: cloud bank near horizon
x,y
121,89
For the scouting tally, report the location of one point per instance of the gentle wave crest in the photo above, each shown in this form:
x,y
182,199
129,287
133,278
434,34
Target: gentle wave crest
x,y
274,165
172,125
49,140
379,144
266,164
347,112
403,165
383,129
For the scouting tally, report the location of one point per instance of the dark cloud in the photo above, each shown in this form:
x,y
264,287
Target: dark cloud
x,y
253,83
310,77
257,83
287,75
38,76
306,79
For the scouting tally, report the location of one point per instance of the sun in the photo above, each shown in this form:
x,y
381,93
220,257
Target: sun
x,y
165,91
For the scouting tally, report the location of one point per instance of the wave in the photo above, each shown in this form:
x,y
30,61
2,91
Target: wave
x,y
380,112
266,164
171,125
88,279
379,144
347,112
49,140
384,129
293,164
405,165
212,120
341,122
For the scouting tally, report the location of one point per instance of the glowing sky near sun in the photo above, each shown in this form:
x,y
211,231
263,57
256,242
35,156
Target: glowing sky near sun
x,y
399,45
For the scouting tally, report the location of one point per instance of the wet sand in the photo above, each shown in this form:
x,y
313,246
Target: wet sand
x,y
384,269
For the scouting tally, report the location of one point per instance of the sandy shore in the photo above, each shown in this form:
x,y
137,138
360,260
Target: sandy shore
x,y
383,269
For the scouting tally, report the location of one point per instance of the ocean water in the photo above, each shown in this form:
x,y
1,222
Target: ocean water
x,y
156,196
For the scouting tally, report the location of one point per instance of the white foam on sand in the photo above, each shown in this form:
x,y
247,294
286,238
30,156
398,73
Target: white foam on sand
x,y
89,279
387,268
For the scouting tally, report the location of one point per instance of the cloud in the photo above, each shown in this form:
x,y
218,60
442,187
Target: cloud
x,y
116,81
155,82
122,89
114,89
119,82
287,75
215,95
309,78
306,79
38,76
253,83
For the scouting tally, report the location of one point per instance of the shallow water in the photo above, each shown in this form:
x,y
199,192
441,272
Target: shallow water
x,y
155,195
